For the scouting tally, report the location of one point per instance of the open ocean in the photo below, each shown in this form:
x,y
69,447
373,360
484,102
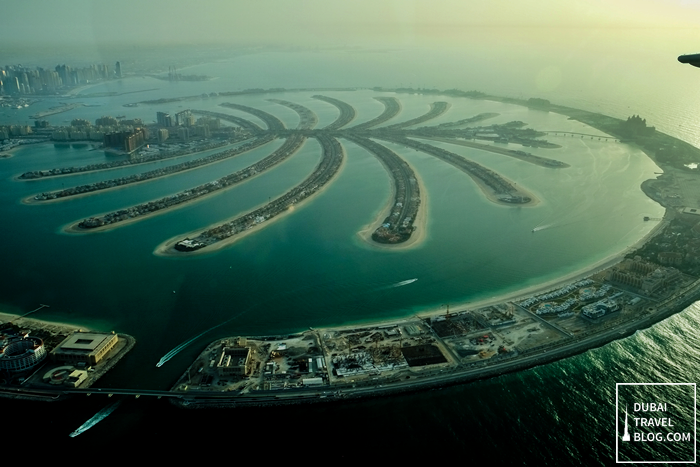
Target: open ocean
x,y
311,269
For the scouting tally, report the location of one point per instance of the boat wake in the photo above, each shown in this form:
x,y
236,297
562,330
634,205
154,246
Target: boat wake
x,y
402,283
542,227
97,418
398,284
164,359
180,347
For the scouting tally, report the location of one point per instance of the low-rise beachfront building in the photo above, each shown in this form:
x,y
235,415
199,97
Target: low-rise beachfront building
x,y
87,348
66,376
600,308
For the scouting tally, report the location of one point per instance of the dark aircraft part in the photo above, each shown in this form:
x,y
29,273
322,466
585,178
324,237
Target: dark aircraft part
x,y
690,59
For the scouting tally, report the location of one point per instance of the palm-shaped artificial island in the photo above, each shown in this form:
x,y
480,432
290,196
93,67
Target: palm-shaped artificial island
x,y
395,228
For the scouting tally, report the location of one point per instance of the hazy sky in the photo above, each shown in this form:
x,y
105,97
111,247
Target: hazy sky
x,y
322,22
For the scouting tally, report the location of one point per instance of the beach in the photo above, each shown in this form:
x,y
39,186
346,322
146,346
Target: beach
x,y
32,323
553,284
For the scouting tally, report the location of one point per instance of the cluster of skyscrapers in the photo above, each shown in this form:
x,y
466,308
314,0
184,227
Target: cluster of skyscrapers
x,y
20,80
186,126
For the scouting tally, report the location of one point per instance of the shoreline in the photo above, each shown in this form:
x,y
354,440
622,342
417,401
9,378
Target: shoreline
x,y
574,276
33,322
520,293
258,389
8,153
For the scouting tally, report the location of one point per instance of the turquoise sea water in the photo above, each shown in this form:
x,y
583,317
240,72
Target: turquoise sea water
x,y
311,269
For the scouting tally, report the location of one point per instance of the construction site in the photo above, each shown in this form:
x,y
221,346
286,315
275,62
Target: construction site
x,y
401,355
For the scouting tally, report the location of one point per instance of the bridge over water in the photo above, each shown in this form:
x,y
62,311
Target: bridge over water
x,y
597,137
191,397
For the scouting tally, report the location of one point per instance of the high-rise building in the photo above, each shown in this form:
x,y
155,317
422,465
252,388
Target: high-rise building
x,y
184,134
164,119
162,135
118,70
183,118
13,86
127,141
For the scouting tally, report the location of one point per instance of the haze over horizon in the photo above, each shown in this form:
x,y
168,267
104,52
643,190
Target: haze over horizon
x,y
320,23
549,45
